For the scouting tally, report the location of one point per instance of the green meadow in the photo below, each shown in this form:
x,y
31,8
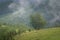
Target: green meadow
x,y
43,34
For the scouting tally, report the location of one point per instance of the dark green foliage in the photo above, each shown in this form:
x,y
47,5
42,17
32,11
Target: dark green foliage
x,y
7,31
37,21
29,30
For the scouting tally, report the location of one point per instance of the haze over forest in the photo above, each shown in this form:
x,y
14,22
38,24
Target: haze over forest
x,y
19,11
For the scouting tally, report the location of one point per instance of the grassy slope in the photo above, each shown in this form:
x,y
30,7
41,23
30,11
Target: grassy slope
x,y
43,34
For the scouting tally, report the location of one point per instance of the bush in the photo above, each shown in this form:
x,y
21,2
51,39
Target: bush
x,y
9,31
37,21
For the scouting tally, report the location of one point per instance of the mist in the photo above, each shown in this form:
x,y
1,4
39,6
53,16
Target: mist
x,y
20,10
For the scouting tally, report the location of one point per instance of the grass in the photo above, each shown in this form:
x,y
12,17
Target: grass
x,y
43,34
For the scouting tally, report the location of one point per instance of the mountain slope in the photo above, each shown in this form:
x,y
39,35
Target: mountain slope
x,y
22,9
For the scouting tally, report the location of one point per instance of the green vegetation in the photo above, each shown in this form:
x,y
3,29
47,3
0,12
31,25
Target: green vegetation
x,y
7,31
24,32
37,21
43,34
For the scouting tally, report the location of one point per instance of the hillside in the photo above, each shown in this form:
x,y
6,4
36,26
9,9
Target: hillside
x,y
17,11
43,34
